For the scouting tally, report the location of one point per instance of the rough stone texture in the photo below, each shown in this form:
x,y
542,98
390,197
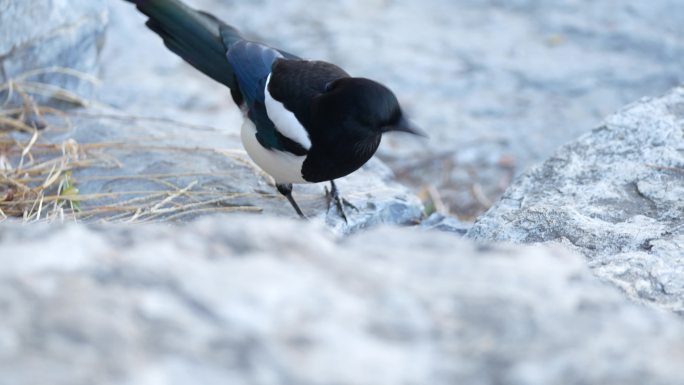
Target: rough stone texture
x,y
616,195
44,34
497,84
242,300
441,222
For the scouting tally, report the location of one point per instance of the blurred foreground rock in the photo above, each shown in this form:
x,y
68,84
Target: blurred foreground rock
x,y
257,300
43,37
616,195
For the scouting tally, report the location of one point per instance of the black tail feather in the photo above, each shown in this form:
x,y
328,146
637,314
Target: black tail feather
x,y
198,37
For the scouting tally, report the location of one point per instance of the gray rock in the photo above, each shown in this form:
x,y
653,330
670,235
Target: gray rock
x,y
41,36
256,300
616,195
134,169
441,222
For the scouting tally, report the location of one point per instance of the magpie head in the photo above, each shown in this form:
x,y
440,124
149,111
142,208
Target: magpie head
x,y
366,107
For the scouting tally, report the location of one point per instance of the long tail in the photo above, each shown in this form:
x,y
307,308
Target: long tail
x,y
198,37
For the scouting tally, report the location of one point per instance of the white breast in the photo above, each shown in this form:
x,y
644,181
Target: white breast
x,y
285,120
284,167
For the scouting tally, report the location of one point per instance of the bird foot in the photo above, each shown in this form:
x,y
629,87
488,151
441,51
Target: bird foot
x,y
333,195
286,190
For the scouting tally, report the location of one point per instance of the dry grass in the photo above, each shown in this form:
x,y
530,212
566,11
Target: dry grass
x,y
37,177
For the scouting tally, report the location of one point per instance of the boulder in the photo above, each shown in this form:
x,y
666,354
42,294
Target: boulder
x,y
41,38
260,300
616,195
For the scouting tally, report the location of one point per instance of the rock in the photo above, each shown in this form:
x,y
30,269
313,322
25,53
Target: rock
x,y
134,169
257,300
497,92
441,222
43,36
616,195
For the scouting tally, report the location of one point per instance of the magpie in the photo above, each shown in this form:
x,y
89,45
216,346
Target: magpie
x,y
305,121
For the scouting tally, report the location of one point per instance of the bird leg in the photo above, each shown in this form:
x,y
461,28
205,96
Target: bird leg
x,y
286,189
334,195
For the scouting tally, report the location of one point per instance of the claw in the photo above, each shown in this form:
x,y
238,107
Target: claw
x,y
334,195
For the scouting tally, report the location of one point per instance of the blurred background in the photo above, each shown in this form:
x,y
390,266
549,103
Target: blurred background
x,y
497,84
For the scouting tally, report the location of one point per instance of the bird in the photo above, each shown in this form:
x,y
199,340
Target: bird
x,y
305,121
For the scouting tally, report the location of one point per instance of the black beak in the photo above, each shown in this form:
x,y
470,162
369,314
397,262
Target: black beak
x,y
406,125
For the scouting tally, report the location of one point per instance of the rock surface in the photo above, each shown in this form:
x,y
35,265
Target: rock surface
x,y
448,224
47,35
499,85
130,169
242,300
616,195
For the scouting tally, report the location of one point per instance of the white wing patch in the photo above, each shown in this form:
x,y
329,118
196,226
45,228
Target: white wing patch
x,y
284,167
285,121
